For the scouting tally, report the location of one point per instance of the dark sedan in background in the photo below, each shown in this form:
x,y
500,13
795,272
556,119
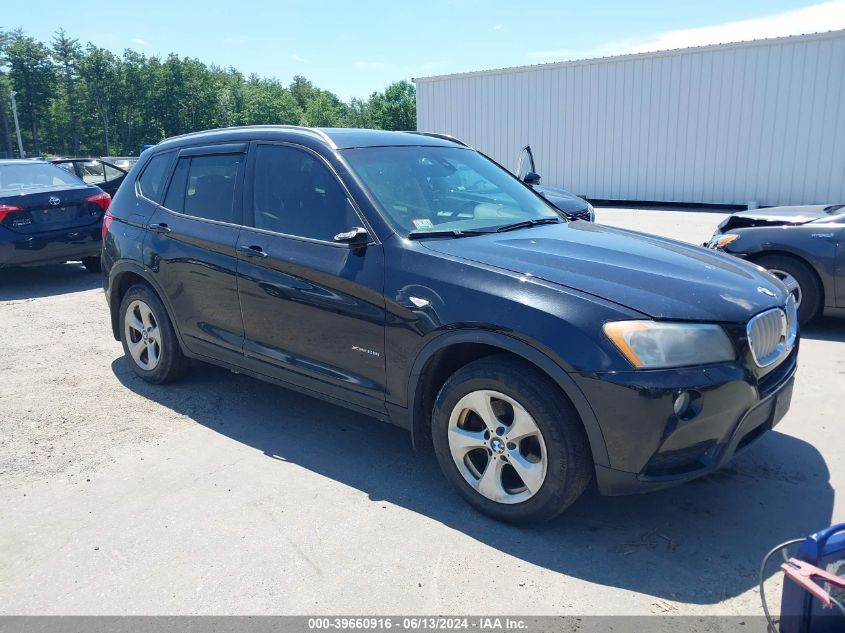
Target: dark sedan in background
x,y
804,246
48,215
574,207
94,171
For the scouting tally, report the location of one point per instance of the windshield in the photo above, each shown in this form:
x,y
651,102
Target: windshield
x,y
435,189
23,176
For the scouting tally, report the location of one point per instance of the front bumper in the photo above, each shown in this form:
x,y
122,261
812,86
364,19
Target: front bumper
x,y
651,447
20,249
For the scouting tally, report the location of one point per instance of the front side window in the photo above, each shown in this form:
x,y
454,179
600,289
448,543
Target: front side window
x,y
152,180
204,187
296,194
428,189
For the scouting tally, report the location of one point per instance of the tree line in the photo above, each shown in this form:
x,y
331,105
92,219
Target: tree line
x,y
75,99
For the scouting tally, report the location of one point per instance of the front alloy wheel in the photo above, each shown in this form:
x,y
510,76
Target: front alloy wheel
x,y
509,441
497,446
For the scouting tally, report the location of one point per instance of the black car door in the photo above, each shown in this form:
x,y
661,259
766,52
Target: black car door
x,y
191,248
313,307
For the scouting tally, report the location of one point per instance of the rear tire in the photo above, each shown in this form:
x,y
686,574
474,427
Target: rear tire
x,y
92,264
149,340
809,289
502,413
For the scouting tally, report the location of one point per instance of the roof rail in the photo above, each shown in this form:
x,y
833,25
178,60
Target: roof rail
x,y
445,137
296,128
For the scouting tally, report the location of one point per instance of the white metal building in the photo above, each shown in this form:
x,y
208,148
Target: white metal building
x,y
756,121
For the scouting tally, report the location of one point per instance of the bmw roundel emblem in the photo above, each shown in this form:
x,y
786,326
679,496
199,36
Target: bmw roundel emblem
x,y
54,200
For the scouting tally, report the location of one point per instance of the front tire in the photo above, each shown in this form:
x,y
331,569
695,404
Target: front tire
x,y
509,441
801,281
149,340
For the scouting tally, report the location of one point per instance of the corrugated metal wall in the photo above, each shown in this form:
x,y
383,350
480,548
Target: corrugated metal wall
x,y
761,121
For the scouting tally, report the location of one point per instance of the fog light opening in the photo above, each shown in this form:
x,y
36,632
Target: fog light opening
x,y
687,405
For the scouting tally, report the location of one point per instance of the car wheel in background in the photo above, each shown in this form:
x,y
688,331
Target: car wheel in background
x,y
801,281
509,440
92,264
149,341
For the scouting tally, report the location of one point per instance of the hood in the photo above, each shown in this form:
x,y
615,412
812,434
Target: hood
x,y
777,216
562,199
661,278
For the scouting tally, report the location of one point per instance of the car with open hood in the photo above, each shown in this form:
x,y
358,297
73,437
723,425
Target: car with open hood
x,y
409,277
804,246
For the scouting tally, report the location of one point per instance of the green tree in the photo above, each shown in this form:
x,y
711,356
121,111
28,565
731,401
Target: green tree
x,y
99,69
5,87
321,111
33,77
67,53
396,109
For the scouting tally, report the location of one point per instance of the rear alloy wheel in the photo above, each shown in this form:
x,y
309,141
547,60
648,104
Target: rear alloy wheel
x,y
800,280
509,441
149,341
92,264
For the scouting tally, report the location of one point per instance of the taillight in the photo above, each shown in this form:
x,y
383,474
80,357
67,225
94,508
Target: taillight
x,y
107,220
102,200
6,209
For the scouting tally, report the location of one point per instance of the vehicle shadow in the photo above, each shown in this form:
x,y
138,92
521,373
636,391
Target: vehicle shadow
x,y
46,281
825,329
698,543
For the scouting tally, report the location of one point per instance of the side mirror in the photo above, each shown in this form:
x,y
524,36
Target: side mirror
x,y
531,178
356,236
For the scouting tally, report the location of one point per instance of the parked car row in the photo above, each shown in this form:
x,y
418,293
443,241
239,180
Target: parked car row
x,y
411,278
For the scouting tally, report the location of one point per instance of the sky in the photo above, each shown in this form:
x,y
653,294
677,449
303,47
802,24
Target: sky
x,y
355,48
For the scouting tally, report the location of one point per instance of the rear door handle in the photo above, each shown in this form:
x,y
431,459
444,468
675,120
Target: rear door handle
x,y
160,228
252,251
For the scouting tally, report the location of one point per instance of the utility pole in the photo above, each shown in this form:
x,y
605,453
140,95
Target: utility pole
x,y
17,125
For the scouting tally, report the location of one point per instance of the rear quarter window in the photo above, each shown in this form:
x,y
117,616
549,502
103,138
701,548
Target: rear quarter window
x,y
152,180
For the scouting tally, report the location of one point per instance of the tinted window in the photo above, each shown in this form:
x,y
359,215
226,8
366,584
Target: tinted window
x,y
204,186
15,176
296,194
152,180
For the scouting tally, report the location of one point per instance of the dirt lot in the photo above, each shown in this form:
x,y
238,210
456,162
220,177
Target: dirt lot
x,y
225,495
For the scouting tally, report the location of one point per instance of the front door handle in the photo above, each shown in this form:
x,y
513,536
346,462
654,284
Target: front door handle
x,y
252,251
160,228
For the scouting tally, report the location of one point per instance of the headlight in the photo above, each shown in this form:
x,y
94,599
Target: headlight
x,y
654,344
591,212
720,240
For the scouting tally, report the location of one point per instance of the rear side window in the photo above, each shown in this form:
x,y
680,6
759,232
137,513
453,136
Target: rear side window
x,y
204,186
296,194
152,180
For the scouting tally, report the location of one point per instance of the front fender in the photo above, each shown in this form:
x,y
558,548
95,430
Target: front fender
x,y
519,348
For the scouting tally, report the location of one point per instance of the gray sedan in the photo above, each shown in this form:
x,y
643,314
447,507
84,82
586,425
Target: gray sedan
x,y
804,246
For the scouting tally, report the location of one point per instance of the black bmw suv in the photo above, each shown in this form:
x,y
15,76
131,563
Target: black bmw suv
x,y
415,280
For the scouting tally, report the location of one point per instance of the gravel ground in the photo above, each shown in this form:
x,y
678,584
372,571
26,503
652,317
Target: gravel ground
x,y
225,495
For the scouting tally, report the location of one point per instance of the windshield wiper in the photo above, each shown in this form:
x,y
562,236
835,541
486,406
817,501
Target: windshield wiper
x,y
527,223
415,235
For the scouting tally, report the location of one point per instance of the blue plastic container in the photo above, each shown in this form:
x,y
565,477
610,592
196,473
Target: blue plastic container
x,y
802,613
